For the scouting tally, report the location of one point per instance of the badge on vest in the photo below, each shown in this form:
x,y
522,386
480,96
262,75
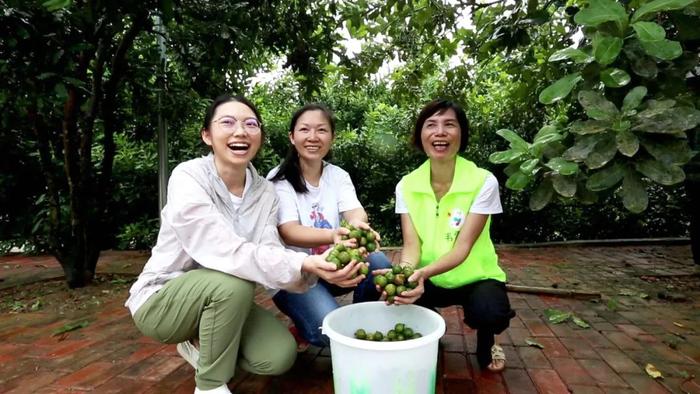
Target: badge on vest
x,y
456,218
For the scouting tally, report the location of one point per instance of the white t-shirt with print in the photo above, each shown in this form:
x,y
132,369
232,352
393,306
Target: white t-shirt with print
x,y
321,206
487,202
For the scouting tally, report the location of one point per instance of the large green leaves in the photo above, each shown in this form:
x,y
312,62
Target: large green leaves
x,y
505,156
597,106
606,48
542,195
562,166
615,77
652,37
564,185
559,89
660,5
604,151
670,151
627,143
518,181
583,127
634,194
516,142
605,178
577,55
659,172
600,11
633,98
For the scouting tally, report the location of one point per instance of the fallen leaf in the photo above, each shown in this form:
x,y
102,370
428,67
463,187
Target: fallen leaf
x,y
68,327
627,293
533,343
644,296
580,322
556,316
41,265
653,372
612,304
678,324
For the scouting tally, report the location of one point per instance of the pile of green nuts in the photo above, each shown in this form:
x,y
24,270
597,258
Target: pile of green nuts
x,y
341,255
401,332
395,282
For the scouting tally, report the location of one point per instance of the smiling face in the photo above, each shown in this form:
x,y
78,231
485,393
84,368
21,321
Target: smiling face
x,y
312,135
232,135
441,135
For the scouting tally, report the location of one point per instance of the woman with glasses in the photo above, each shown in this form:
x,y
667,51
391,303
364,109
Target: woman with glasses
x,y
314,196
218,238
445,206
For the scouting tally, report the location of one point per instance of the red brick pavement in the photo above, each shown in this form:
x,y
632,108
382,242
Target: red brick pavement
x,y
628,331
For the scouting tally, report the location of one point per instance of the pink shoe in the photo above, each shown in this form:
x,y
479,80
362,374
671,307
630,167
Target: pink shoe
x,y
302,344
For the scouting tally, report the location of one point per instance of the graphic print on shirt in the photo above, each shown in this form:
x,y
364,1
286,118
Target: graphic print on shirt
x,y
319,221
456,221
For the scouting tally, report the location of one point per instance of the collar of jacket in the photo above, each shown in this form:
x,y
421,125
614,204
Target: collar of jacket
x,y
461,182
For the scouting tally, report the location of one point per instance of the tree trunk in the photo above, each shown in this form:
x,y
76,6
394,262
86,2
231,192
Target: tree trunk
x,y
79,265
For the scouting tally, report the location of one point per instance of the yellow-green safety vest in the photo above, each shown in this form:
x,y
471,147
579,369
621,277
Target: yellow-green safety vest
x,y
438,224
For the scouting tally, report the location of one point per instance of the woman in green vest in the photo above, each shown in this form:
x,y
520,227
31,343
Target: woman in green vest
x,y
445,206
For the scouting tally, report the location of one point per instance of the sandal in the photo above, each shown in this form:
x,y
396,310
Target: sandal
x,y
497,355
302,344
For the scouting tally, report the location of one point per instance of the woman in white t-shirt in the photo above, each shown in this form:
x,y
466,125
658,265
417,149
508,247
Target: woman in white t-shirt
x,y
314,196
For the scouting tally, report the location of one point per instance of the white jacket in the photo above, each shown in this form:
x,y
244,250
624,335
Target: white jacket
x,y
200,228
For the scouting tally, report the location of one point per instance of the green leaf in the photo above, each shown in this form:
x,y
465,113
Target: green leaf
x,y
577,55
660,5
556,316
512,168
583,146
516,142
545,131
606,48
597,106
533,343
641,64
649,31
660,172
564,185
670,151
634,194
664,50
542,195
55,5
656,107
652,38
600,11
528,166
580,322
559,89
583,127
604,151
518,181
633,98
671,121
68,327
505,156
627,143
585,196
614,77
605,178
562,166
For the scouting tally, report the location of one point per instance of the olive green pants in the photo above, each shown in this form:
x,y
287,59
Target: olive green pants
x,y
232,330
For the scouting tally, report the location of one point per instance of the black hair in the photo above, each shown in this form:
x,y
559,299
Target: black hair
x,y
289,169
225,98
439,106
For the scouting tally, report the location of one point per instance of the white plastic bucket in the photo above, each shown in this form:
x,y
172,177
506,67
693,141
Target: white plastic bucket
x,y
367,367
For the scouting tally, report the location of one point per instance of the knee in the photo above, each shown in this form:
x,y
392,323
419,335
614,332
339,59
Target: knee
x,y
226,286
278,362
378,260
491,318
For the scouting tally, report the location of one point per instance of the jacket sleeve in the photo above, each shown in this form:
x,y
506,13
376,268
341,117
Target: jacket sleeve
x,y
208,238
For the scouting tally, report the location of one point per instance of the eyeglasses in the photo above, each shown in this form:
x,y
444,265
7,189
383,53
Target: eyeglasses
x,y
228,123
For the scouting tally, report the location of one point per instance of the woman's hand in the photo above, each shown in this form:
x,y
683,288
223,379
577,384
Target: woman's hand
x,y
409,296
345,277
338,237
365,226
412,295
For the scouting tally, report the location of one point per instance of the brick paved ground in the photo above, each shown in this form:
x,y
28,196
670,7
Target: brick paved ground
x,y
628,332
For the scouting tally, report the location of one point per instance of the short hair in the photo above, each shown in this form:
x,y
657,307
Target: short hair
x,y
439,106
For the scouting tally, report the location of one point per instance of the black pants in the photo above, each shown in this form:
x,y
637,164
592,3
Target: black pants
x,y
486,309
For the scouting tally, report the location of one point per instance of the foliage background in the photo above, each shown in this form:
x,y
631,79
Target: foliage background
x,y
501,66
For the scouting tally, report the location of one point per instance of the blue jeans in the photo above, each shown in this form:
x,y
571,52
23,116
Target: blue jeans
x,y
307,310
